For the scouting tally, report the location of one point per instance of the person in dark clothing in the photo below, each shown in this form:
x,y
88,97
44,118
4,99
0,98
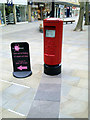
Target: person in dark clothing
x,y
89,17
84,15
51,14
47,14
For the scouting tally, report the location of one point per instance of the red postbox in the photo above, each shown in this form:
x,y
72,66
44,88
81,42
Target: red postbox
x,y
53,29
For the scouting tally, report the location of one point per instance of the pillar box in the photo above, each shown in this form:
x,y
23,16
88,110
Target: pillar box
x,y
53,29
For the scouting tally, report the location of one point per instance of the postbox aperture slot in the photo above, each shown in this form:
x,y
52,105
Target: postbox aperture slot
x,y
50,31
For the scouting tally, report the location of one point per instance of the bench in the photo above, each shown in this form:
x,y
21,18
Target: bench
x,y
69,21
41,25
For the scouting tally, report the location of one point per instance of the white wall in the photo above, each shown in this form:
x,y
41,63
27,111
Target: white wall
x,y
3,1
20,2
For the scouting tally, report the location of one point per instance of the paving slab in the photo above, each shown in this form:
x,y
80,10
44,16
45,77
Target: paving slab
x,y
51,79
32,81
65,116
71,80
44,109
48,92
17,97
11,114
0,113
83,83
73,108
79,93
4,85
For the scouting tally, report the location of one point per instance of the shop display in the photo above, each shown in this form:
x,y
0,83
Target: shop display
x,y
11,18
21,13
1,14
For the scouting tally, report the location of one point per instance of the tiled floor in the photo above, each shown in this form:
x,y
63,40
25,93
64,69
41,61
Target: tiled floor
x,y
40,95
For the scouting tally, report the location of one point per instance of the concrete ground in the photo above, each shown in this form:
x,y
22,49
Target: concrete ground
x,y
40,95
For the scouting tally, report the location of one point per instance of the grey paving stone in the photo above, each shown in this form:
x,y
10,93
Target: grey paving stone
x,y
51,79
11,93
20,101
27,100
0,99
15,90
5,99
11,104
49,92
65,89
70,78
44,109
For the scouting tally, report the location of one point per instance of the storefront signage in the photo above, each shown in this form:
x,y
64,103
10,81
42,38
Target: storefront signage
x,y
3,1
20,2
34,6
56,5
61,6
41,5
9,2
21,59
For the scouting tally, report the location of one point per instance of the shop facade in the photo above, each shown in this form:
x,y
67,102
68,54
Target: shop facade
x,y
21,13
64,10
34,12
2,12
59,11
75,11
21,10
9,13
13,11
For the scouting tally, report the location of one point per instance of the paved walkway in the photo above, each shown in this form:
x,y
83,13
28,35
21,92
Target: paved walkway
x,y
42,96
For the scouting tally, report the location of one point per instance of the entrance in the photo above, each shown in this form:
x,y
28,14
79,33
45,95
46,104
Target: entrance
x,y
21,13
9,14
2,21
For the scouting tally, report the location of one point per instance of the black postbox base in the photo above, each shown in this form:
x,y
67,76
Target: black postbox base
x,y
22,74
52,69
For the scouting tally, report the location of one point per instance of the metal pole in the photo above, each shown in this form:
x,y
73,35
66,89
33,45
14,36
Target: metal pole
x,y
56,12
29,13
52,15
59,13
41,14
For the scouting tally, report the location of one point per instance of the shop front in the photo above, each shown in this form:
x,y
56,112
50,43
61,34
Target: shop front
x,y
34,13
21,12
2,12
9,13
2,21
41,9
75,11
